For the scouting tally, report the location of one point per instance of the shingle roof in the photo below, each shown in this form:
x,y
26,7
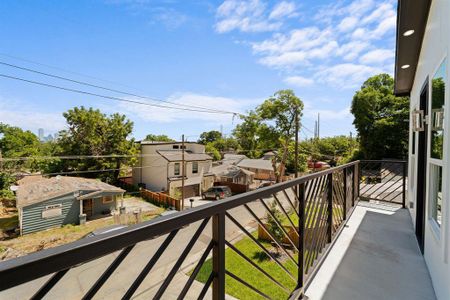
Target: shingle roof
x,y
176,155
47,188
262,164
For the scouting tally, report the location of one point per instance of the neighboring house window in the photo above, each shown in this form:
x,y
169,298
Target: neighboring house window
x,y
52,211
194,167
175,147
176,169
437,142
108,199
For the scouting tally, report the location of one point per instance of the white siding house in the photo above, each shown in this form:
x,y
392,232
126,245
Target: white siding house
x,y
160,168
423,41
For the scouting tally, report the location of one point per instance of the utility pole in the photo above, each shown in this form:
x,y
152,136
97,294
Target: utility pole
x,y
318,125
183,172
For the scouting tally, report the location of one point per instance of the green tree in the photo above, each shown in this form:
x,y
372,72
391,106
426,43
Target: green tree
x,y
210,137
381,119
158,138
91,132
212,151
15,142
279,112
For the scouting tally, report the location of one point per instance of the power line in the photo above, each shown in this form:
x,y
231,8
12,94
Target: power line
x,y
109,97
109,89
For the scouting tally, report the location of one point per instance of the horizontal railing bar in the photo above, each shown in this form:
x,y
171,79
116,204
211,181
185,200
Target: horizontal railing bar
x,y
362,161
197,268
256,266
247,284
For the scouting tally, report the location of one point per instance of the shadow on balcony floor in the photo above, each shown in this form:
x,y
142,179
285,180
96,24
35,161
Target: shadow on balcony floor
x,y
376,257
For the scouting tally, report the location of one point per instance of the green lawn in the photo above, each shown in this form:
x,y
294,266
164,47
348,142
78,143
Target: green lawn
x,y
241,268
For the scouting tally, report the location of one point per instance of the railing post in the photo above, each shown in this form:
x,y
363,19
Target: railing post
x,y
330,207
404,186
301,235
358,178
344,171
354,176
218,232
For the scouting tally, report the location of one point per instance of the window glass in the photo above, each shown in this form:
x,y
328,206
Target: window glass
x,y
195,167
436,193
176,170
437,111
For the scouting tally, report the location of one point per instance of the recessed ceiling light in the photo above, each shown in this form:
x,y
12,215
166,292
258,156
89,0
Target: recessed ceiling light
x,y
405,66
408,32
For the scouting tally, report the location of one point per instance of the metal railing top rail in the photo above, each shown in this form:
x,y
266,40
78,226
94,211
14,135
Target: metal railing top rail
x,y
23,269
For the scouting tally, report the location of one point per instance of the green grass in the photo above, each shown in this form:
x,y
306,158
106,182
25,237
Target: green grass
x,y
241,268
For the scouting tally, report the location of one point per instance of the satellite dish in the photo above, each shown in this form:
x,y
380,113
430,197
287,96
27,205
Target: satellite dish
x,y
14,188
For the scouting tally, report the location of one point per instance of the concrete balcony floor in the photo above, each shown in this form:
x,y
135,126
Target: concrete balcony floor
x,y
375,257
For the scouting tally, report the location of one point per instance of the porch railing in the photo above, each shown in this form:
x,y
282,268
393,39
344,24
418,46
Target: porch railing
x,y
314,207
383,181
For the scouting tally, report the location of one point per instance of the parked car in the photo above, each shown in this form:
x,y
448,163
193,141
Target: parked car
x,y
217,192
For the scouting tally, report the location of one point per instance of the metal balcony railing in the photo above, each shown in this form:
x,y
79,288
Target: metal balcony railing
x,y
309,213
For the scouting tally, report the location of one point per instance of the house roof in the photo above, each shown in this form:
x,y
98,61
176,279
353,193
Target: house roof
x,y
261,164
176,155
411,15
48,188
229,159
163,143
229,171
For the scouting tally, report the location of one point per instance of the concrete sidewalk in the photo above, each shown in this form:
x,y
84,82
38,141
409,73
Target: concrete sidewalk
x,y
375,257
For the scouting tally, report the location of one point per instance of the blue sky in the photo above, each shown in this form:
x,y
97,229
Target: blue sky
x,y
227,55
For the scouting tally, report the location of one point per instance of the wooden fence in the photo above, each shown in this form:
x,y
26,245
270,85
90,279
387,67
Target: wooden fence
x,y
235,188
161,199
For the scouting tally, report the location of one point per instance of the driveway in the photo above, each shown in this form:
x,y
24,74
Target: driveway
x,y
138,204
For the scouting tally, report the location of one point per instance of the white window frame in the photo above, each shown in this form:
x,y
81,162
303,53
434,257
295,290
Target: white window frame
x,y
437,229
176,166
195,163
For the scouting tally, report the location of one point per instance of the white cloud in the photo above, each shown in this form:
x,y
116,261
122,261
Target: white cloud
x,y
283,9
351,50
164,115
377,56
346,75
347,24
246,16
299,81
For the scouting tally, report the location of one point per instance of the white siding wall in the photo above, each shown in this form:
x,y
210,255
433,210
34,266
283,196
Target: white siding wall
x,y
434,49
156,169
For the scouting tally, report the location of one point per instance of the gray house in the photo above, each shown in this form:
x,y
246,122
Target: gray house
x,y
56,201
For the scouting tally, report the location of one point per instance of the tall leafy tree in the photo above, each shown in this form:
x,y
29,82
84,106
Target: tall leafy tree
x,y
91,132
210,137
279,113
381,119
